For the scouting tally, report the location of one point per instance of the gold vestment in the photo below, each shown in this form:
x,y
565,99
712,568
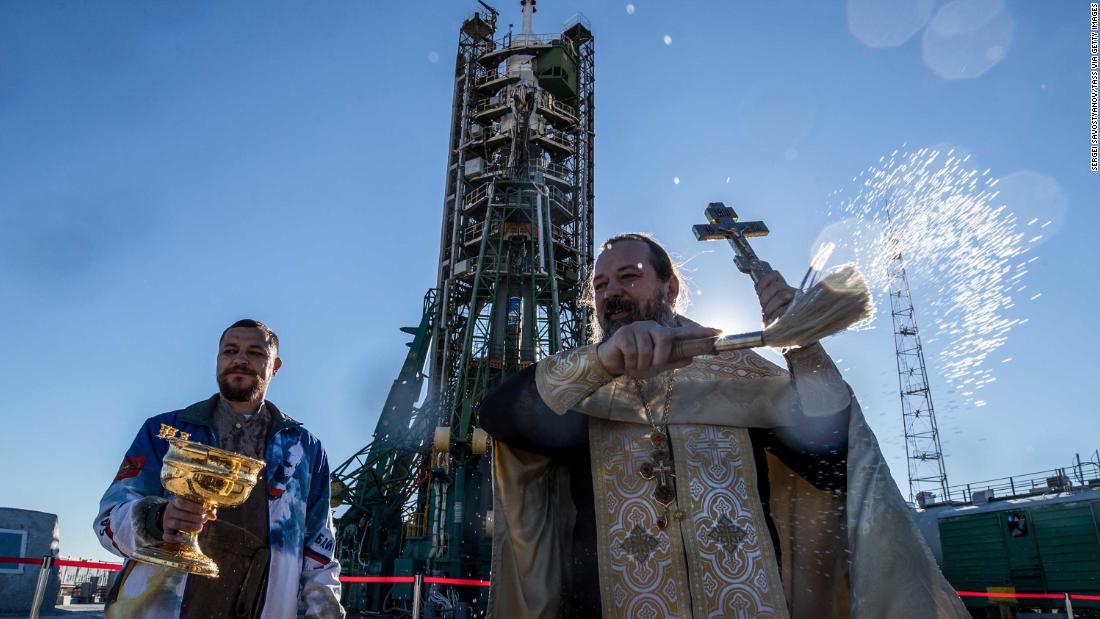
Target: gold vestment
x,y
852,554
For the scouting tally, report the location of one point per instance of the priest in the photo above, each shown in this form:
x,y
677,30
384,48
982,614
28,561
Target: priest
x,y
628,483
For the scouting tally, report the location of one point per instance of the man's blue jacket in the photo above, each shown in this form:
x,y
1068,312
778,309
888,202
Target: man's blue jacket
x,y
300,533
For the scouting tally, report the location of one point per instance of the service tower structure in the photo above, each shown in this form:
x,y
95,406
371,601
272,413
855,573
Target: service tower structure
x,y
515,250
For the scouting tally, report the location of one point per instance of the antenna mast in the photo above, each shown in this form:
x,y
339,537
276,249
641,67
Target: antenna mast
x,y
924,456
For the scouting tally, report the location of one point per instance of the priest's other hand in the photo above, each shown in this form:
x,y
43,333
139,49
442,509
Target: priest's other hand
x,y
182,515
643,349
775,296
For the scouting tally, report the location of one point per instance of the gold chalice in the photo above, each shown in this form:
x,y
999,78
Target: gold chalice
x,y
203,474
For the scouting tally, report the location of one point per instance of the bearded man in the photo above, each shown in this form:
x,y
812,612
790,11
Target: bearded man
x,y
631,484
271,551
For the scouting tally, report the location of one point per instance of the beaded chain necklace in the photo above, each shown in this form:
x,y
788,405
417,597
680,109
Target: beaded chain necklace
x,y
660,466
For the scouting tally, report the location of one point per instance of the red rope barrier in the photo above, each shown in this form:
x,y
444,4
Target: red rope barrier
x,y
1005,594
470,582
456,581
22,560
393,579
96,565
1081,597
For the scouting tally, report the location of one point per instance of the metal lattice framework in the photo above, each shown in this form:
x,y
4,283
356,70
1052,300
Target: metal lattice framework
x,y
520,170
924,456
515,251
378,482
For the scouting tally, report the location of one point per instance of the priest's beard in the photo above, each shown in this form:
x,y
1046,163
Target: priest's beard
x,y
657,309
246,392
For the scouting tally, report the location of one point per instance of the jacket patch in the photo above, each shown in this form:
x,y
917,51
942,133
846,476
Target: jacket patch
x,y
289,459
316,556
130,467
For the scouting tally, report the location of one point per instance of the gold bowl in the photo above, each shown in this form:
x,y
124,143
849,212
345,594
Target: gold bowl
x,y
202,474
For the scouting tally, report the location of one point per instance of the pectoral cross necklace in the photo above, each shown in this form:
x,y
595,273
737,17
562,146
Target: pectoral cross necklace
x,y
660,466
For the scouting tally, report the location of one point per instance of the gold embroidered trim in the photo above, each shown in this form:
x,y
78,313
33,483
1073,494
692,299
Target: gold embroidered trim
x,y
737,365
733,566
568,377
642,567
713,557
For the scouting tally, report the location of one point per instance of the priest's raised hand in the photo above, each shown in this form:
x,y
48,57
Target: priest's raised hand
x,y
775,296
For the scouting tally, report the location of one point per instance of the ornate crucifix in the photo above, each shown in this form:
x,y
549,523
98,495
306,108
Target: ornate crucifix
x,y
724,226
660,467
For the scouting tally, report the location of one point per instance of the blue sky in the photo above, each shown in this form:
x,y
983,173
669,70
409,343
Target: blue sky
x,y
167,168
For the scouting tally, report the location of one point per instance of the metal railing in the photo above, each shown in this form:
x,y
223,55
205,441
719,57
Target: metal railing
x,y
528,172
578,18
491,132
481,192
476,195
488,104
492,264
547,101
472,233
556,169
559,196
1082,475
560,137
493,76
525,40
561,236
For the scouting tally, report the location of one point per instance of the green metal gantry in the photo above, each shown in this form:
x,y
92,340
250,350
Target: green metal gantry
x,y
515,249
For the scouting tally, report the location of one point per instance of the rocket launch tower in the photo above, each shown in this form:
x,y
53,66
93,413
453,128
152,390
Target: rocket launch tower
x,y
515,249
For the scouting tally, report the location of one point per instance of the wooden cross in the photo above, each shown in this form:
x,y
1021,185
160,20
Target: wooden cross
x,y
724,226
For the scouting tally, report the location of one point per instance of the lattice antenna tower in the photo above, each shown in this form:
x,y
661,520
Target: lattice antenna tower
x,y
924,455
